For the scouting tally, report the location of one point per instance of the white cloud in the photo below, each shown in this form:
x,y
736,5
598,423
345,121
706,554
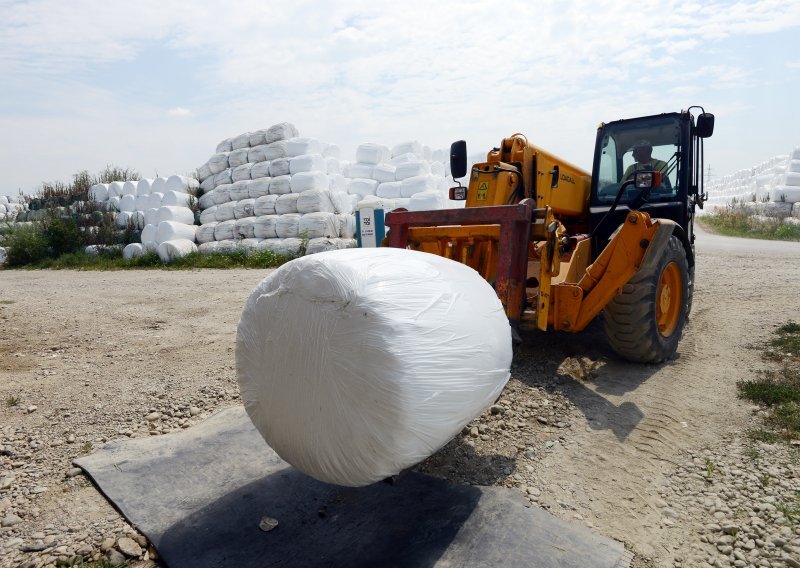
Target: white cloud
x,y
179,112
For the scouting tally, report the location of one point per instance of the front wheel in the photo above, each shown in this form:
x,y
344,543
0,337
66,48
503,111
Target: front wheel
x,y
644,323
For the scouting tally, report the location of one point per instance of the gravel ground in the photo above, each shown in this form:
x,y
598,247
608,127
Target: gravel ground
x,y
654,456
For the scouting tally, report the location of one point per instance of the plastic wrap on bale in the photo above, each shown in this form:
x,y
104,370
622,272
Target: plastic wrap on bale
x,y
357,364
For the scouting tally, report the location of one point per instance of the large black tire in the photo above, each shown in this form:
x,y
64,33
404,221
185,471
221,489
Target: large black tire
x,y
645,322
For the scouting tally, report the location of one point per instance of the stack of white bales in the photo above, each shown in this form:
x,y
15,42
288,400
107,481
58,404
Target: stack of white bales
x,y
410,175
9,207
158,207
269,189
769,190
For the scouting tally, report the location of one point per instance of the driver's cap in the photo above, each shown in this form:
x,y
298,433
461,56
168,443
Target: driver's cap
x,y
642,144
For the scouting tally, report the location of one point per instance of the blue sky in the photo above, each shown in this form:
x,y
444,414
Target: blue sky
x,y
154,86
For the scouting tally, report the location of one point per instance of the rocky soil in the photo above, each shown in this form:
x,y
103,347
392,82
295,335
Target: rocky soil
x,y
654,456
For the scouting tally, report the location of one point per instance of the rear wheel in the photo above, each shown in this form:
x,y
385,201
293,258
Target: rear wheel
x,y
645,322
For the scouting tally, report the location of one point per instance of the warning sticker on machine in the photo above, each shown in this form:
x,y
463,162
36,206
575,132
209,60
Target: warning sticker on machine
x,y
483,192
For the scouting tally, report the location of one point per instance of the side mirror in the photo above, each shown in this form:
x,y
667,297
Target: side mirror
x,y
458,159
705,125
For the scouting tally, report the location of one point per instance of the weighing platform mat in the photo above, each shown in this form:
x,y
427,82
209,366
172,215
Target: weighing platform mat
x,y
200,496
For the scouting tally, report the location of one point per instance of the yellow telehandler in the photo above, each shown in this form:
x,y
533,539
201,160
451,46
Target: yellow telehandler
x,y
561,245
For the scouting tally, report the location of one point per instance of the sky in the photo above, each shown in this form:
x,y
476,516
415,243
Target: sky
x,y
155,85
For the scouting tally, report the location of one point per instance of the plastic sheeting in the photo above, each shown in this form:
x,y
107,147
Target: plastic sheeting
x,y
417,184
225,145
132,250
325,244
297,146
411,169
182,184
281,131
223,177
369,153
238,157
409,147
222,193
129,188
256,154
257,138
356,170
786,193
99,192
207,200
204,172
347,225
176,199
384,173
426,201
240,142
371,398
389,190
159,185
260,170
177,248
149,233
127,203
362,187
245,228
244,208
208,215
258,187
224,230
115,189
218,162
275,150
240,190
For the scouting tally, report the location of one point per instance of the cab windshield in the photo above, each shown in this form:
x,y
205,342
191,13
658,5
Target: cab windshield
x,y
641,146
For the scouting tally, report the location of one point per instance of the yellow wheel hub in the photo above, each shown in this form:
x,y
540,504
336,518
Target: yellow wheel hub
x,y
669,298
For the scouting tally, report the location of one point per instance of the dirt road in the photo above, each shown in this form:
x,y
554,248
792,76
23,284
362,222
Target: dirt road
x,y
88,357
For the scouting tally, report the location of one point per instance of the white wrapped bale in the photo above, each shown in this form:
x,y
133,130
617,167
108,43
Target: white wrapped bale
x,y
174,249
275,150
226,246
409,147
786,193
223,178
796,210
426,201
282,131
244,208
203,172
440,155
260,170
182,184
304,181
149,233
129,188
208,215
244,228
779,209
315,201
218,162
241,172
792,179
137,217
250,244
324,245
210,247
280,185
112,204
176,199
337,183
794,166
317,225
427,153
177,214
795,155
222,193
417,184
208,184
238,157
437,169
307,163
99,192
115,189
258,187
265,205
369,153
132,251
240,142
240,190
205,232
257,138
207,200
159,185
373,202
372,398
362,187
127,203
404,158
288,247
347,225
288,226
170,230
412,169
279,167
384,173
356,170
142,202
332,166
389,190
297,146
225,230
225,146
155,200
286,203
3,255
123,218
256,154
265,227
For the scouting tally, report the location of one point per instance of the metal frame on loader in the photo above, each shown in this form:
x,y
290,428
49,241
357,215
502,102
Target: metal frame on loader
x,y
561,245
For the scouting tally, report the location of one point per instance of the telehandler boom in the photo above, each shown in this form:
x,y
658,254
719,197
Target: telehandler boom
x,y
561,245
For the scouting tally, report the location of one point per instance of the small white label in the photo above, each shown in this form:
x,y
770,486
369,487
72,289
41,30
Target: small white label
x,y
368,239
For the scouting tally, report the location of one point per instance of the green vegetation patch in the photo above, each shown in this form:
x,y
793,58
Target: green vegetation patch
x,y
735,220
778,390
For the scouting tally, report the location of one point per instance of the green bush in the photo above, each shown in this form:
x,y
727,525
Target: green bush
x,y
25,244
61,234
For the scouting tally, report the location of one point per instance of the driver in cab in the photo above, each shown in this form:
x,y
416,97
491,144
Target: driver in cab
x,y
642,153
